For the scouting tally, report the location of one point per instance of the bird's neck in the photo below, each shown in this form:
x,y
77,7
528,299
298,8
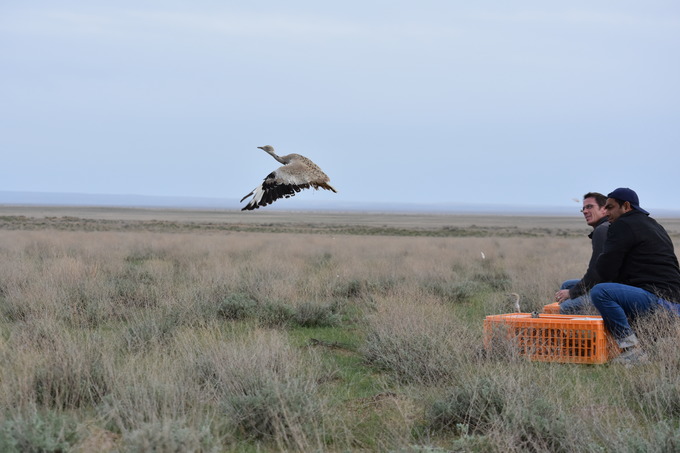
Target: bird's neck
x,y
275,156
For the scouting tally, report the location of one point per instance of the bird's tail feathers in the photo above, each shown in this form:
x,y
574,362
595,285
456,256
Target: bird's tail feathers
x,y
325,185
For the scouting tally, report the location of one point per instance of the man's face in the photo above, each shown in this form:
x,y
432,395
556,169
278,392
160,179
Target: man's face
x,y
592,211
614,211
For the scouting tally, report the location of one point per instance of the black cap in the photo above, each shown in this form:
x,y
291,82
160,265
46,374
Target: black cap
x,y
629,195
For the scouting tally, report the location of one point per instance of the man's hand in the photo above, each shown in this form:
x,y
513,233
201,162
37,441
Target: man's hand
x,y
561,295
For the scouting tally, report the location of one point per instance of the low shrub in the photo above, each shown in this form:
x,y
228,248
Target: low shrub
x,y
275,314
349,289
495,279
455,291
271,410
536,424
72,374
135,287
469,408
237,306
37,432
309,314
416,358
240,306
657,399
151,330
168,437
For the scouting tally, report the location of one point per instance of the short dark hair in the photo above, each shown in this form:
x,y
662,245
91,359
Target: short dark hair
x,y
599,198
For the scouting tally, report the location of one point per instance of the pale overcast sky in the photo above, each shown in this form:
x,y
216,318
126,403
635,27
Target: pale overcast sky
x,y
522,102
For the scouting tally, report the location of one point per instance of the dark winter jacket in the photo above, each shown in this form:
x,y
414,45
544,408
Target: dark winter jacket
x,y
598,237
638,252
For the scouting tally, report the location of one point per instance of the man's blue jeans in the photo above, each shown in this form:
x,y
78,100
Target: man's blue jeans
x,y
575,306
618,304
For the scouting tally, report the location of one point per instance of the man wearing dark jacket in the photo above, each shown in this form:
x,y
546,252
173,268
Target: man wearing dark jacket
x,y
641,270
572,296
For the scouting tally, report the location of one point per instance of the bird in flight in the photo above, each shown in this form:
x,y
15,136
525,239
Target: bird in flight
x,y
296,173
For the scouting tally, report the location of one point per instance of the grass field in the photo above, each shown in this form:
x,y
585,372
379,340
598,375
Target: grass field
x,y
174,331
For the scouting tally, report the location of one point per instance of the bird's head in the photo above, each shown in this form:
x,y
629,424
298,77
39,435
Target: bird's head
x,y
514,297
515,300
267,148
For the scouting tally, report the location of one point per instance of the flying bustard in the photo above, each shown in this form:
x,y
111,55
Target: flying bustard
x,y
297,173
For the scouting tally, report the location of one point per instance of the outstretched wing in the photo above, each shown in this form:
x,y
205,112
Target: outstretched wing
x,y
286,181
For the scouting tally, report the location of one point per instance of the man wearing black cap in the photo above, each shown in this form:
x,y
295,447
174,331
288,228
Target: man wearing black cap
x,y
640,268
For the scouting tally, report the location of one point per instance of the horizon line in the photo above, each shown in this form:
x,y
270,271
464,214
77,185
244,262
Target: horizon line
x,y
78,199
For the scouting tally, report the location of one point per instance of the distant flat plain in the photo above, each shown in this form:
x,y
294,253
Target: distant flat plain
x,y
314,219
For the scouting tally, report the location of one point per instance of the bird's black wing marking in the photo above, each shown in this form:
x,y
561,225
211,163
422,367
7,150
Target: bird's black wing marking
x,y
273,191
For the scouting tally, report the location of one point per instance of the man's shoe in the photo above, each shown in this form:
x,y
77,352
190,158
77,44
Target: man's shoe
x,y
631,357
628,342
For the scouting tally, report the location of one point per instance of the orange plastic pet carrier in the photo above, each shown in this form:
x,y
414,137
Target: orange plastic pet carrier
x,y
552,337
